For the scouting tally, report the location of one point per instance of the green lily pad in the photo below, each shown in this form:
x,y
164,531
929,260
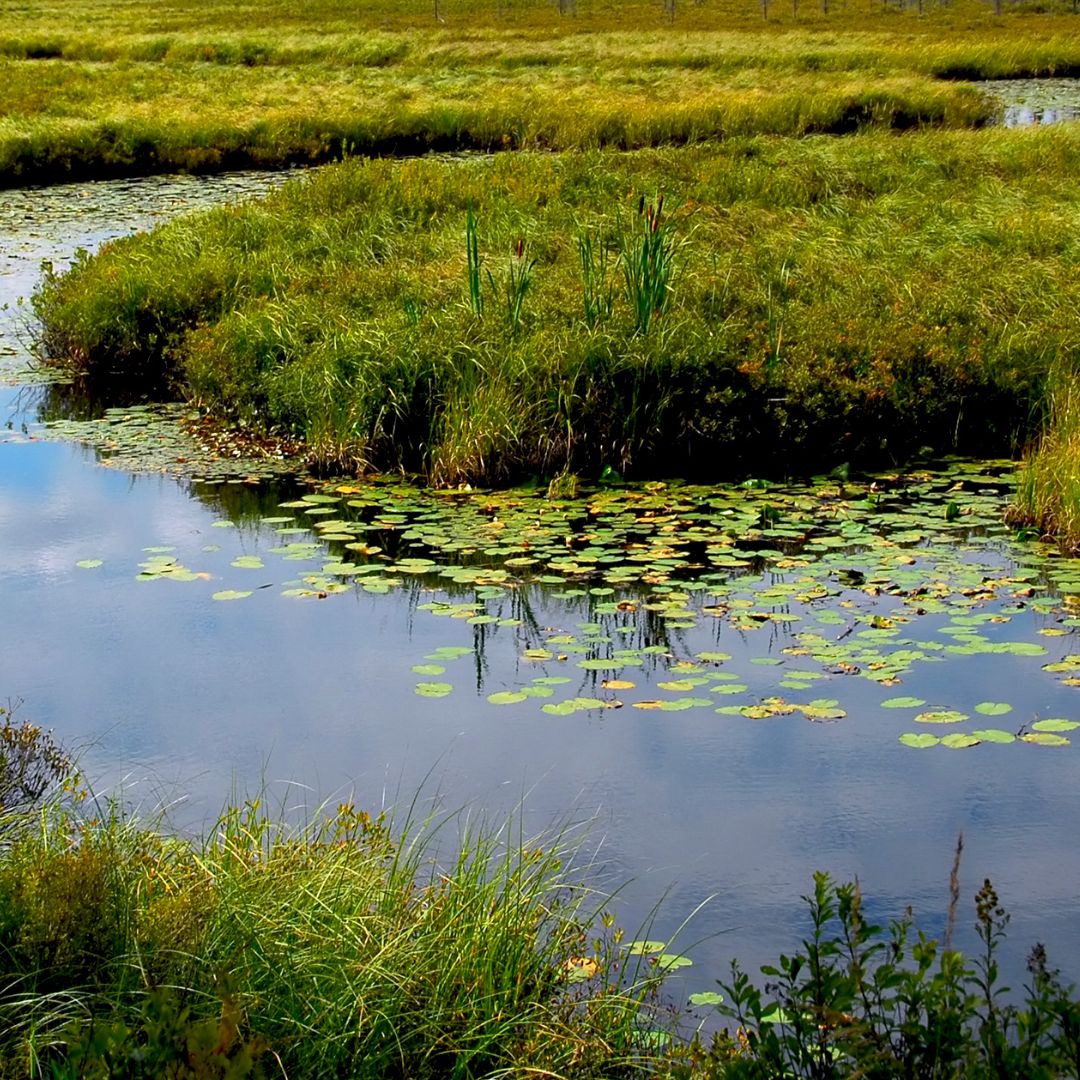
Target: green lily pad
x,y
993,708
1055,725
507,697
433,689
232,594
902,703
919,742
645,946
959,741
429,669
707,997
994,735
89,564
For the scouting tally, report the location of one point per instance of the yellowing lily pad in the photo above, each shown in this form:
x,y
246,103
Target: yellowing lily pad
x,y
1045,738
941,716
959,741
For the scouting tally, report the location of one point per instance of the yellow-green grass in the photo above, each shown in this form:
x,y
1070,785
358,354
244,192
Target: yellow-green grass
x,y
1048,496
117,88
343,948
832,299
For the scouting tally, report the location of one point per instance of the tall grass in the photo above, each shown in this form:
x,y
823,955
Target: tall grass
x,y
1048,494
105,89
844,300
343,947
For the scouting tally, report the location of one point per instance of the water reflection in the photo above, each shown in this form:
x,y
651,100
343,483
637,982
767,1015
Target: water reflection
x,y
1031,102
181,697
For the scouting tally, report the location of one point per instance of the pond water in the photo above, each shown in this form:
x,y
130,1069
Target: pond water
x,y
731,683
1027,102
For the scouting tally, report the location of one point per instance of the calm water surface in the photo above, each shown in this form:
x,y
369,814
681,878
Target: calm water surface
x,y
188,701
1030,102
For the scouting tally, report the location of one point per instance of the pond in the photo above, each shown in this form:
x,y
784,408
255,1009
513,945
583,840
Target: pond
x,y
1027,102
736,686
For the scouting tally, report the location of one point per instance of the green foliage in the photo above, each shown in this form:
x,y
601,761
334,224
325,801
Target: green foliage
x,y
472,255
597,288
348,951
647,252
31,762
849,300
1048,494
861,1000
164,1042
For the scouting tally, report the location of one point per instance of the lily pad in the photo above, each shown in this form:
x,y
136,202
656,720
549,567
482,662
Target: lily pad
x,y
994,735
993,708
507,697
433,689
902,703
959,741
941,716
232,594
1045,738
919,742
1055,725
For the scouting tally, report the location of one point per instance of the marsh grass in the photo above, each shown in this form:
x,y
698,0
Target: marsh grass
x,y
349,946
835,300
1048,493
105,90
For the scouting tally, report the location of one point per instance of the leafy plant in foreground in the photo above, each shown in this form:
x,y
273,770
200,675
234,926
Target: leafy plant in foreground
x,y
859,1000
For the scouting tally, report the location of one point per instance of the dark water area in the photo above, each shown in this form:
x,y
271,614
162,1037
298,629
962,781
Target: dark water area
x,y
1032,102
236,637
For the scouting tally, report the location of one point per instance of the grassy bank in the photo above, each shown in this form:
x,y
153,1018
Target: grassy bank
x,y
345,949
816,301
106,90
1048,495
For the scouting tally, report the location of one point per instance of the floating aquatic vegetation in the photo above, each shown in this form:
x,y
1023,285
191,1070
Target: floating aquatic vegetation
x,y
683,598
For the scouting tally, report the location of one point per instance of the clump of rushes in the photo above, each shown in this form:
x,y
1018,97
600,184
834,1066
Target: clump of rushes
x,y
597,288
472,264
1048,494
347,947
519,274
647,252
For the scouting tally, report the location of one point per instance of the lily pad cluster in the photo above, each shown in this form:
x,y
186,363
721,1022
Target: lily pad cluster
x,y
659,585
171,438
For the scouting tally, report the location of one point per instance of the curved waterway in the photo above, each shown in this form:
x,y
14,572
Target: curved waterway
x,y
731,683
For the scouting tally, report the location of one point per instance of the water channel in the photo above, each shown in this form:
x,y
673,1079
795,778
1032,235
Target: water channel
x,y
709,676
